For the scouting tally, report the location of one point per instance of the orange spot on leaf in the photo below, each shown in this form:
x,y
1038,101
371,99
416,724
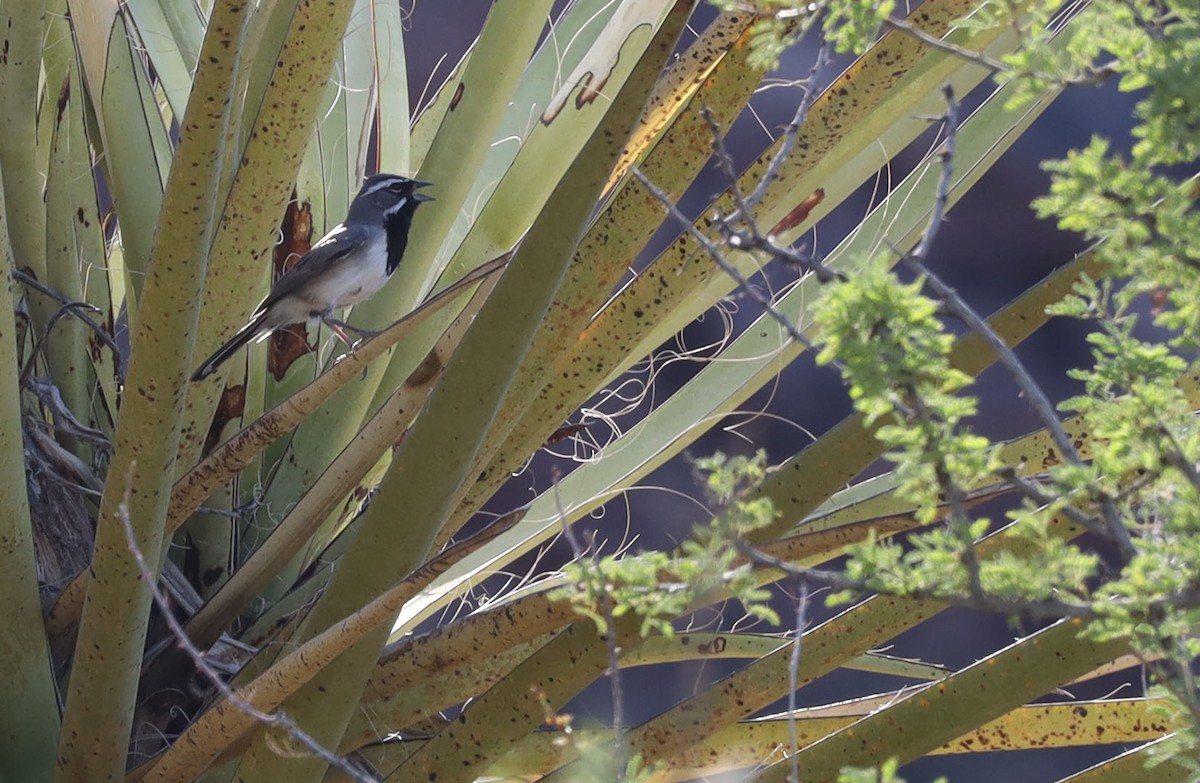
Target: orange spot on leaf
x,y
800,213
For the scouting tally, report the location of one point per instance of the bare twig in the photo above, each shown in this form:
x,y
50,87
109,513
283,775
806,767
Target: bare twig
x,y
73,308
64,418
979,58
1032,491
605,607
725,162
752,238
956,305
792,131
718,258
794,679
941,197
1175,456
959,522
31,281
1091,76
273,719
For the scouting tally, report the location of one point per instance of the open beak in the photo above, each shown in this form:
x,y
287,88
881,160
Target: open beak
x,y
419,197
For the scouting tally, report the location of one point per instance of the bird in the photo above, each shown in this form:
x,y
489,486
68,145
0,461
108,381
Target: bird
x,y
346,266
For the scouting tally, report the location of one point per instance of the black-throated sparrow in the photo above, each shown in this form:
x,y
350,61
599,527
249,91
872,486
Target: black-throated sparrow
x,y
346,266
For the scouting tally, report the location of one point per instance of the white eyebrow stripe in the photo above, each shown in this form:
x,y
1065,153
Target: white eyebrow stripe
x,y
381,184
394,208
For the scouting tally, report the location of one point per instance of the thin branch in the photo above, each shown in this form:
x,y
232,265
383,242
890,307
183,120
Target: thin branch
x,y
725,162
31,281
941,197
955,304
1175,456
605,607
73,308
1032,491
64,418
979,58
792,132
959,522
718,258
273,719
753,238
794,679
1091,76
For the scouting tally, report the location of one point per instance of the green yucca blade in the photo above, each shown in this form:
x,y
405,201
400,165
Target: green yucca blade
x,y
659,295
262,183
1134,766
136,150
170,33
457,415
541,134
29,725
391,84
462,143
330,174
318,441
719,79
131,520
753,359
392,685
748,744
979,693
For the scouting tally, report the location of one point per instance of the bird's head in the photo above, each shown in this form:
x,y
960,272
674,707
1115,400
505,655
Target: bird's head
x,y
385,198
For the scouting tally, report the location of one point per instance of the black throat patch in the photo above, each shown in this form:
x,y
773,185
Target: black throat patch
x,y
397,236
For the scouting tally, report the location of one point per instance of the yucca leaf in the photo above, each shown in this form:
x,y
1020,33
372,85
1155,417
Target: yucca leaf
x,y
746,745
436,452
170,33
136,151
508,38
29,726
1134,766
75,261
103,686
651,300
751,360
979,693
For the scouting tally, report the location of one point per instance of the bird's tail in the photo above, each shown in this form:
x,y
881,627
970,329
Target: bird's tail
x,y
244,335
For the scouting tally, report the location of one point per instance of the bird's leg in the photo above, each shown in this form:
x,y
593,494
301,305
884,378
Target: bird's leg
x,y
337,330
340,327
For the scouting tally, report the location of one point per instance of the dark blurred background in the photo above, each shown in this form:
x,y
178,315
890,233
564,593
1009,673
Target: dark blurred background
x,y
991,249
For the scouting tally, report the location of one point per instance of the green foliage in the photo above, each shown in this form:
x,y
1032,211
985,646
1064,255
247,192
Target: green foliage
x,y
1142,211
894,353
598,762
1177,748
884,773
847,26
887,337
779,24
1141,488
660,586
851,26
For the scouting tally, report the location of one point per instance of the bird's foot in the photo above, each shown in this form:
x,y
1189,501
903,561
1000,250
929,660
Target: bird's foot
x,y
341,327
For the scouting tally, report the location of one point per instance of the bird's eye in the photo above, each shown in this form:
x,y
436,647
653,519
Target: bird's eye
x,y
396,187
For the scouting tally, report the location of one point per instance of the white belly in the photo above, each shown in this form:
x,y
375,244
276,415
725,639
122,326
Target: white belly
x,y
352,280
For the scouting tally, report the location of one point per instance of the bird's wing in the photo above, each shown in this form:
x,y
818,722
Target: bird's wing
x,y
328,251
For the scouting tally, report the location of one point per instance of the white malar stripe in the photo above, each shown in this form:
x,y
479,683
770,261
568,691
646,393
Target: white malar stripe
x,y
394,208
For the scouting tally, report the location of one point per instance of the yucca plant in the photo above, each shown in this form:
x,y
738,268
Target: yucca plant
x,y
161,162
